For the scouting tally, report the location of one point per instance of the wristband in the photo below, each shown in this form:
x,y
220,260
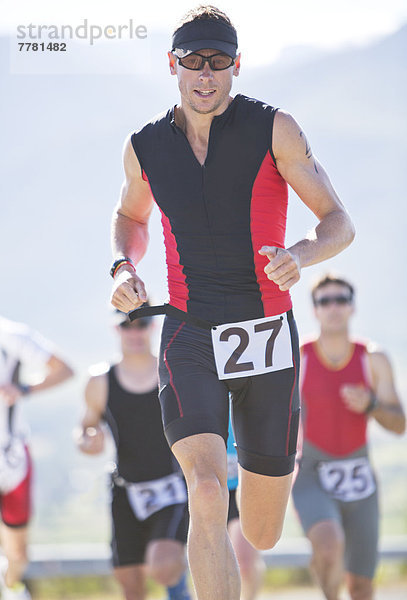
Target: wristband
x,y
119,262
24,389
373,403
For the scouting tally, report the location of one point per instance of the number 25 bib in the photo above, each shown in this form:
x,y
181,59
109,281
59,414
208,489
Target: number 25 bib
x,y
252,347
347,480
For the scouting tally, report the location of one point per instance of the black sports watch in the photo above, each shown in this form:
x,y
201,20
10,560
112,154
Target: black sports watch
x,y
24,389
373,403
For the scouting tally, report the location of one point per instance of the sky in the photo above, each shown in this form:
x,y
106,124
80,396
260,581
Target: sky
x,y
265,28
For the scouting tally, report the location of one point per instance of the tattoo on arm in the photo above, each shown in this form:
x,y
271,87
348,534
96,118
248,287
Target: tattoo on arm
x,y
308,151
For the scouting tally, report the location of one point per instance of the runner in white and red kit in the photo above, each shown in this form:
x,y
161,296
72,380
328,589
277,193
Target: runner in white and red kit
x,y
19,346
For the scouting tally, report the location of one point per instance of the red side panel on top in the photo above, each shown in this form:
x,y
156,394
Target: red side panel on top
x,y
177,287
268,216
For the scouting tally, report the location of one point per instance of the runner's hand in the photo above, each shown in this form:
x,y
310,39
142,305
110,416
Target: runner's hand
x,y
9,394
356,397
128,290
284,266
91,440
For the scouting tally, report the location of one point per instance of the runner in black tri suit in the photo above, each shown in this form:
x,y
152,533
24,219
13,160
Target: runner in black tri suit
x,y
218,169
149,511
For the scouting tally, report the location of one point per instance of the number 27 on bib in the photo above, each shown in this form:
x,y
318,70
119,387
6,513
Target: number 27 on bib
x,y
252,347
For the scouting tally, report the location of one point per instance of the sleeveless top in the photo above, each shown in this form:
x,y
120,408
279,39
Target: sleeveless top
x,y
135,421
328,424
218,215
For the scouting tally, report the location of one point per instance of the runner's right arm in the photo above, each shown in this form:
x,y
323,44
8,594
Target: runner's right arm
x,y
130,232
89,436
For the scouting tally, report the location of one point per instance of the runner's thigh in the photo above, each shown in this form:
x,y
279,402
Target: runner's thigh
x,y
266,416
193,400
361,520
129,534
311,502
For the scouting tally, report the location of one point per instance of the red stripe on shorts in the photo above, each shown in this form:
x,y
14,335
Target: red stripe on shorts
x,y
181,413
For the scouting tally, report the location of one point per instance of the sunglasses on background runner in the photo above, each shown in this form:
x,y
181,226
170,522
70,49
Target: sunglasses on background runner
x,y
140,323
196,62
327,300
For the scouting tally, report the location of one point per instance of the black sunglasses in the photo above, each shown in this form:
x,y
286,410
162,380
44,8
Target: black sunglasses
x,y
327,300
140,323
196,61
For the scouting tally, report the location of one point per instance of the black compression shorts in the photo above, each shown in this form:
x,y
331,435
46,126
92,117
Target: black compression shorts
x,y
265,408
233,511
130,536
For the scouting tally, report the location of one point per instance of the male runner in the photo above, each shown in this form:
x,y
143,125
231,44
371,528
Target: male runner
x,y
343,383
251,564
19,345
218,168
149,511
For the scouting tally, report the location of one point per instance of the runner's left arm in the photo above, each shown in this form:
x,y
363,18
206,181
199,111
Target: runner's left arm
x,y
57,371
383,397
302,171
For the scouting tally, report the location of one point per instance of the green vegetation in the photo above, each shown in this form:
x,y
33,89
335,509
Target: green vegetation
x,y
79,588
106,588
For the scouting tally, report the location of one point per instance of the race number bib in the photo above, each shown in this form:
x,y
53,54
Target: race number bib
x,y
347,480
148,497
13,465
252,347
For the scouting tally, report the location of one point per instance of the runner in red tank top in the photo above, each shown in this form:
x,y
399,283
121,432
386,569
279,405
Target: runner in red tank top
x,y
343,383
328,423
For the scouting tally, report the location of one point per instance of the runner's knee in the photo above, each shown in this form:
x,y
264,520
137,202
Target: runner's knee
x,y
360,588
249,566
328,542
260,536
208,498
165,560
167,570
328,555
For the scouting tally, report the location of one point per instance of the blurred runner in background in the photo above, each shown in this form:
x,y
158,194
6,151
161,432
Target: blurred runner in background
x,y
19,346
343,383
149,510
